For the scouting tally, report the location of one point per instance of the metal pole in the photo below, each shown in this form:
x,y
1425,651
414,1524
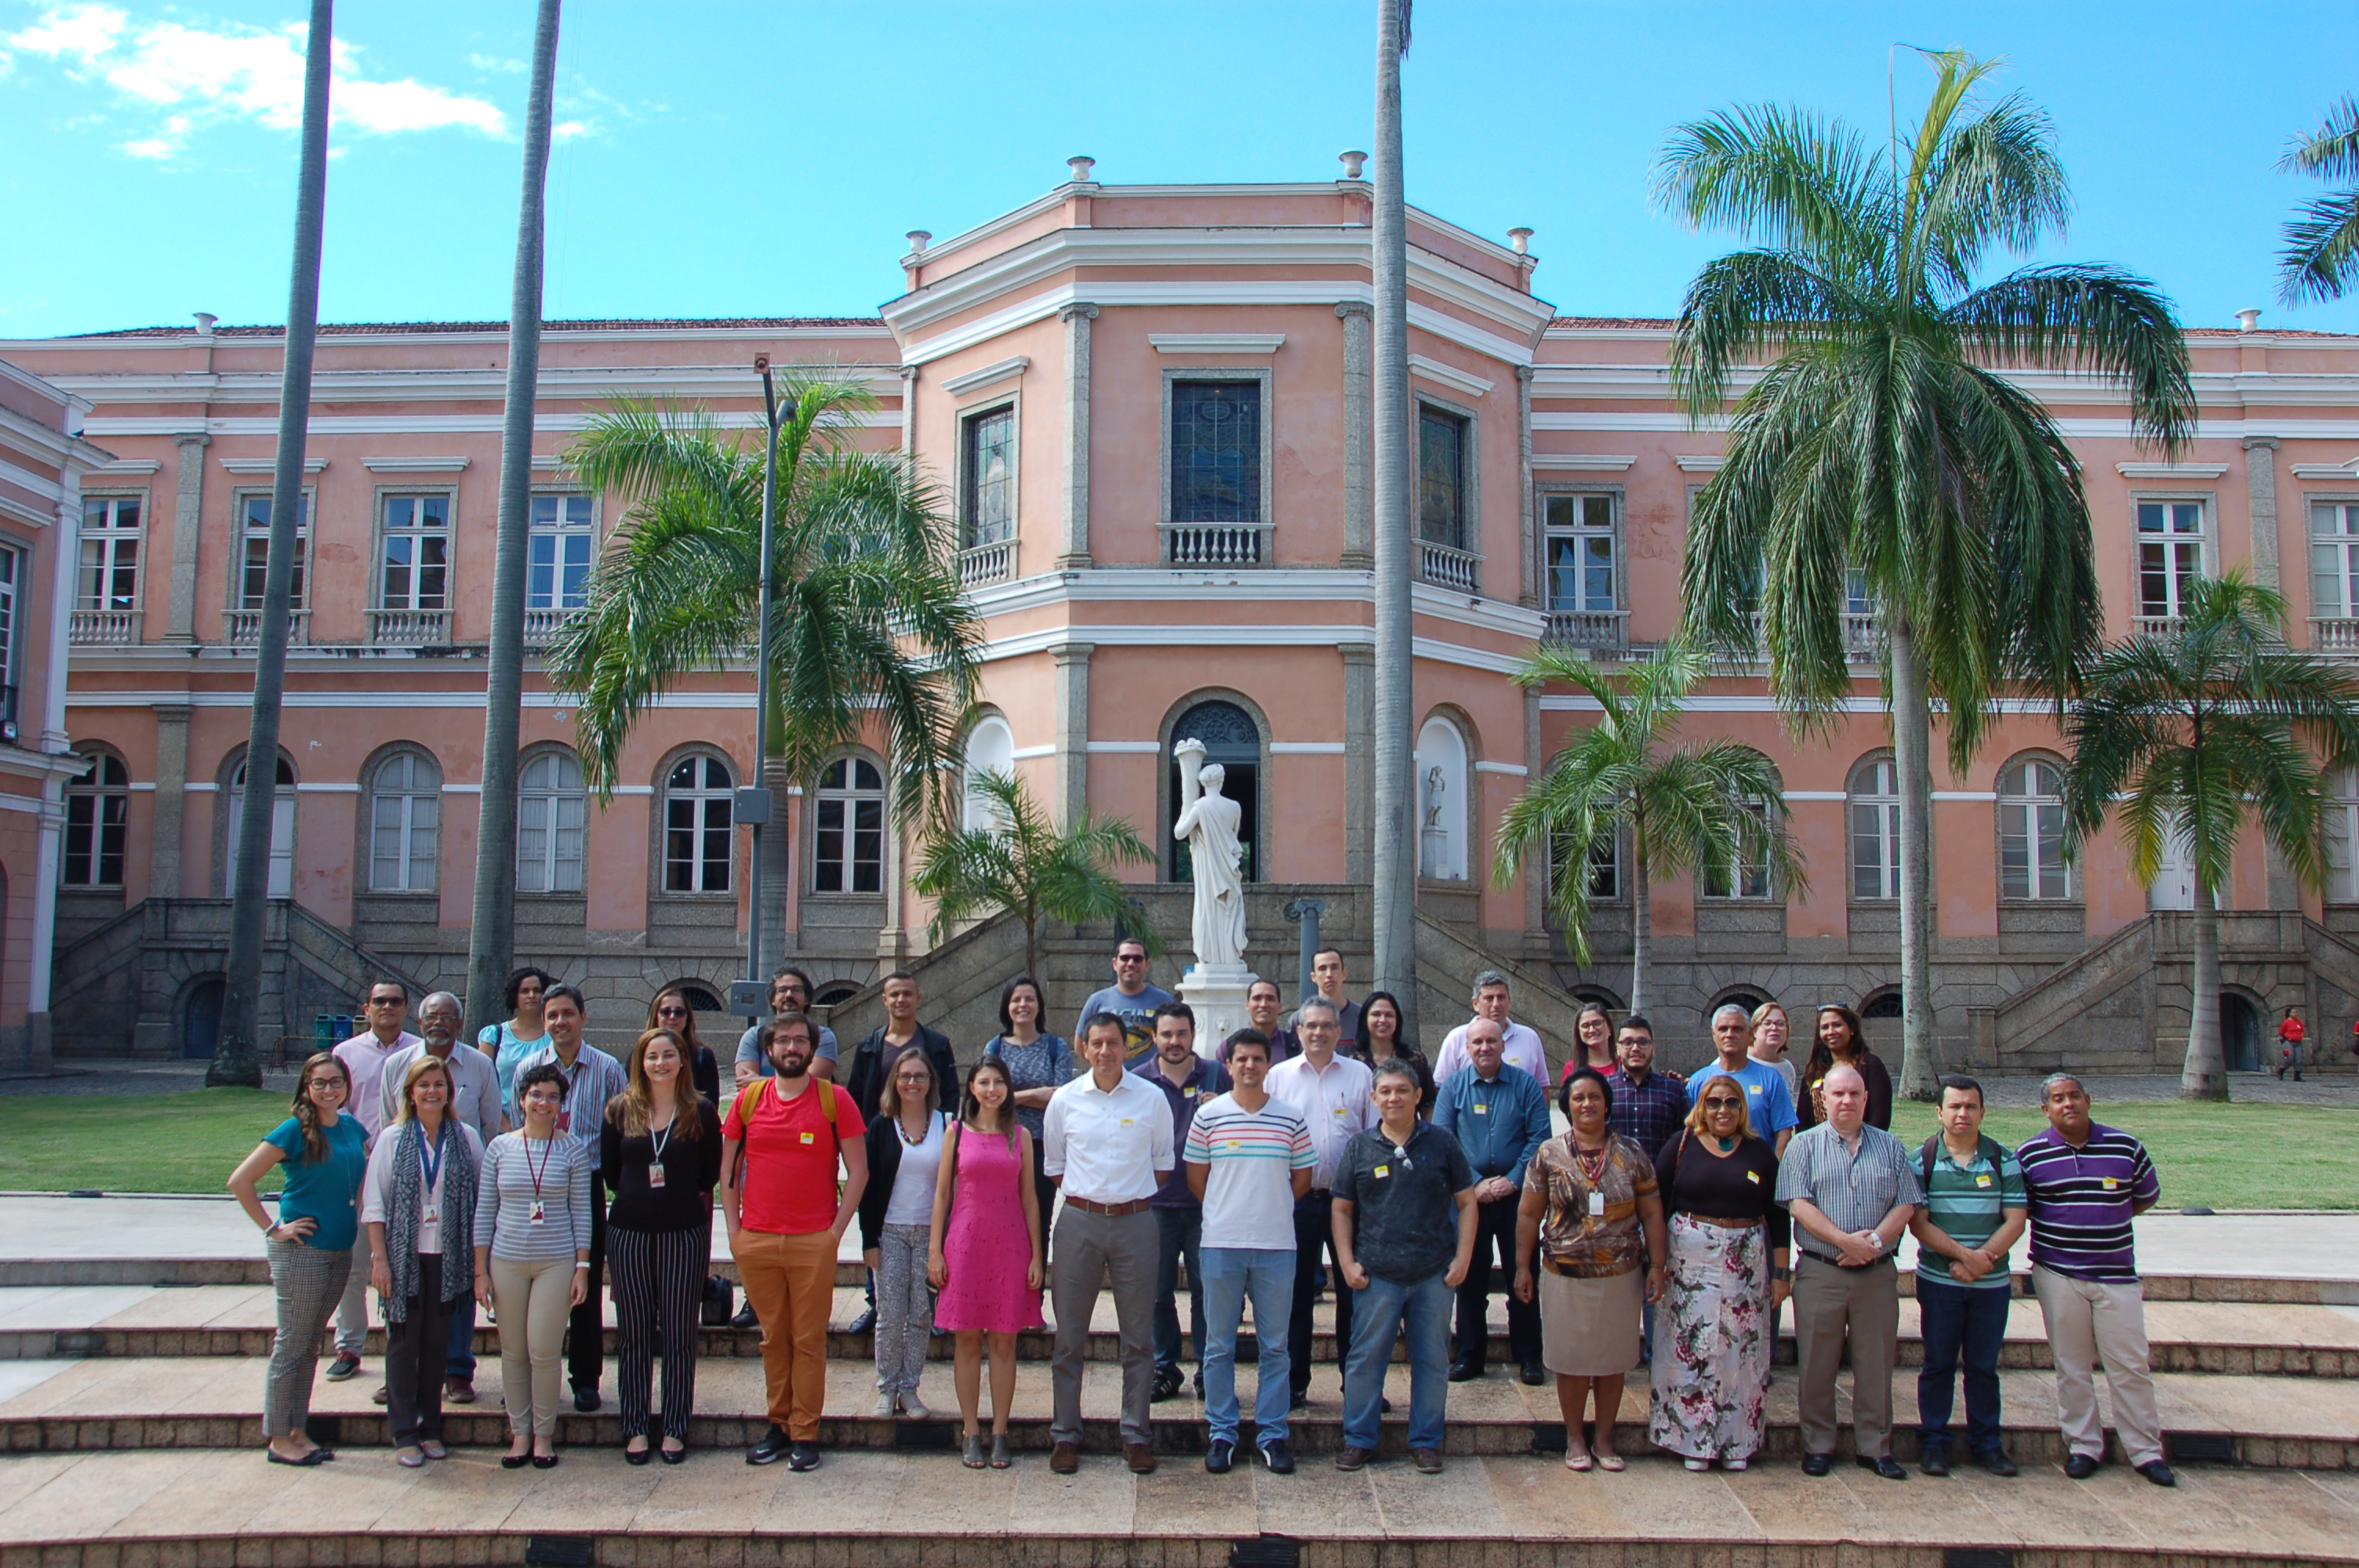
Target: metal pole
x,y
1394,910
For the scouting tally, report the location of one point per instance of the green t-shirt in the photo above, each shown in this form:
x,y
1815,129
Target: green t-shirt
x,y
1968,1202
329,1190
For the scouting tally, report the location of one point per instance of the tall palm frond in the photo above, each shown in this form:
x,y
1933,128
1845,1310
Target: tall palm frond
x,y
2320,257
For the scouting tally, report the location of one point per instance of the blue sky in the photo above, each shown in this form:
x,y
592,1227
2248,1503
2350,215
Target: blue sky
x,y
744,158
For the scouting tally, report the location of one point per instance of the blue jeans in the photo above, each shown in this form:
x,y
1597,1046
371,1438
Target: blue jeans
x,y
1180,1234
1955,1318
1377,1314
459,1351
1231,1274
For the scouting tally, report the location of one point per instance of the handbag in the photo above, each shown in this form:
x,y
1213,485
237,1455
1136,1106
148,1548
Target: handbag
x,y
718,1304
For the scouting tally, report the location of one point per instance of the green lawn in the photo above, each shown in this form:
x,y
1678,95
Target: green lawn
x,y
134,1143
2219,1156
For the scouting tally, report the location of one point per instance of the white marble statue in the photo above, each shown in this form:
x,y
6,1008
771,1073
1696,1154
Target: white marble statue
x,y
1207,824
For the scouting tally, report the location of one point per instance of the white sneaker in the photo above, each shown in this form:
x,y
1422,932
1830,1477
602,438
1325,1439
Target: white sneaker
x,y
883,1410
1733,1465
1698,1466
914,1408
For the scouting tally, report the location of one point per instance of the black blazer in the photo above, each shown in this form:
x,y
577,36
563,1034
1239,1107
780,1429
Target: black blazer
x,y
884,1144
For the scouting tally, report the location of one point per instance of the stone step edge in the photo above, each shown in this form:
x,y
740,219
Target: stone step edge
x,y
1313,1432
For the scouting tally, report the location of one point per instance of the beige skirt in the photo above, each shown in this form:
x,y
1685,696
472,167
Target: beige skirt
x,y
1589,1328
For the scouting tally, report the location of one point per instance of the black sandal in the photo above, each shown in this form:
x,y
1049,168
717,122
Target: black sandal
x,y
317,1457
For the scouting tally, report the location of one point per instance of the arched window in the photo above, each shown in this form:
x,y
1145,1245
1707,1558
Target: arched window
x,y
2342,837
698,996
990,749
1875,791
281,880
552,813
98,811
2031,831
1746,874
1232,740
848,837
405,823
699,848
1441,792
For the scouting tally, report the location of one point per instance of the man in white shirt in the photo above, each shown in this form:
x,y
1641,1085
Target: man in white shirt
x,y
1333,1095
364,1056
1524,1048
1107,1142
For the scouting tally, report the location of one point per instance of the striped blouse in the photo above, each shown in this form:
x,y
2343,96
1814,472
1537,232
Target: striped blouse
x,y
518,1173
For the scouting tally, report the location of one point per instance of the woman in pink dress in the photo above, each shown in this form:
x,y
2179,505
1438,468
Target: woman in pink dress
x,y
985,1257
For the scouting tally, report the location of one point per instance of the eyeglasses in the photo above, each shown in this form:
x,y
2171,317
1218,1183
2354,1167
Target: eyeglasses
x,y
1723,1105
385,1001
1130,957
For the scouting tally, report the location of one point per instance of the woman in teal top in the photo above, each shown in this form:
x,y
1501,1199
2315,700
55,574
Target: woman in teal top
x,y
507,1044
311,1242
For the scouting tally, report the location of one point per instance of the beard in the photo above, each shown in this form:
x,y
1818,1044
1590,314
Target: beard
x,y
791,1065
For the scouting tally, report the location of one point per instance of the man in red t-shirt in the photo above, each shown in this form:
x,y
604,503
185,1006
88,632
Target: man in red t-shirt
x,y
785,1214
2289,1033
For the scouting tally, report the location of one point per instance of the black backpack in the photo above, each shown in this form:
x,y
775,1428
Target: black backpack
x,y
1986,1147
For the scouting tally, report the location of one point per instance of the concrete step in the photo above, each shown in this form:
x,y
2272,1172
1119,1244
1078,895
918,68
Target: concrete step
x,y
240,1320
887,1509
215,1402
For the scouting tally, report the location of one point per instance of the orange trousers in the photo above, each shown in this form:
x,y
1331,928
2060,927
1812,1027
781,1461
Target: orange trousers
x,y
791,1281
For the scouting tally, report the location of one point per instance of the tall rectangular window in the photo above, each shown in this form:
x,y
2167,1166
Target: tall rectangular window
x,y
848,841
988,507
108,577
1743,872
2335,560
254,513
557,571
1580,555
414,558
98,813
2170,556
1216,452
12,586
1441,477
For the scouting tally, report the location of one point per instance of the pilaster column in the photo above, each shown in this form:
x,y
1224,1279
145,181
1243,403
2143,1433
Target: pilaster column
x,y
909,409
1359,548
1072,730
1074,556
1359,762
188,513
170,815
2261,493
1536,867
1528,593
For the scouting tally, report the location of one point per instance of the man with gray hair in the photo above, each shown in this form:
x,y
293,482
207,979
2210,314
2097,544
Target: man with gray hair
x,y
1330,1093
474,1101
1524,1048
1767,1099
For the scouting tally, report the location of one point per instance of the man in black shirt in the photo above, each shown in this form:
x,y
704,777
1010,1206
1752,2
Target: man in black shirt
x,y
874,1059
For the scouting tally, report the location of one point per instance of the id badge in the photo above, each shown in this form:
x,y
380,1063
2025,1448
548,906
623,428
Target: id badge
x,y
433,1217
538,1216
564,1121
655,1176
1597,1205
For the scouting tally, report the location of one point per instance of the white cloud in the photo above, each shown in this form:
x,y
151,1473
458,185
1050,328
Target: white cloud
x,y
565,130
202,74
496,63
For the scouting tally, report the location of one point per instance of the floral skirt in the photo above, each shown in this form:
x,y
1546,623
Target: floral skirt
x,y
1712,1362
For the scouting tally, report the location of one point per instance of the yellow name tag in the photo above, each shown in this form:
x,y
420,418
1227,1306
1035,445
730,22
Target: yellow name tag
x,y
1384,1169
1753,1177
810,1138
1339,1113
1235,1145
2111,1184
1125,1121
1482,1107
1985,1181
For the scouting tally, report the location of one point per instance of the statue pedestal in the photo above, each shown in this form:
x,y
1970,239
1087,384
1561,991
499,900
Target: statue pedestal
x,y
1217,994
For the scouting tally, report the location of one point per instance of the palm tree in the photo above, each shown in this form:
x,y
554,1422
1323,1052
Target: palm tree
x,y
491,938
866,623
1711,807
239,1060
1878,441
2321,242
2193,732
1023,863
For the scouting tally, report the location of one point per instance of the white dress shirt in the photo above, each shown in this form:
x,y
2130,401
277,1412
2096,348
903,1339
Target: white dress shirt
x,y
1110,1145
475,1087
1524,1050
1336,1102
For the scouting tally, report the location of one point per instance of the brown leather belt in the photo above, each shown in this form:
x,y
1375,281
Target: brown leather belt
x,y
1721,1221
1115,1210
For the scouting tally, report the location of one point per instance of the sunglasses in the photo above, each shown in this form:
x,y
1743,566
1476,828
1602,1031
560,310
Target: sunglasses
x,y
671,1012
1723,1105
385,1001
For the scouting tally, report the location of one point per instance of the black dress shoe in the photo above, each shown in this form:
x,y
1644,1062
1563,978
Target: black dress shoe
x,y
1460,1372
1886,1465
2081,1466
1168,1383
2158,1472
802,1457
744,1317
508,1461
1817,1464
1534,1374
771,1448
544,1461
863,1323
1301,1399
1278,1457
585,1398
1220,1456
1997,1462
1934,1462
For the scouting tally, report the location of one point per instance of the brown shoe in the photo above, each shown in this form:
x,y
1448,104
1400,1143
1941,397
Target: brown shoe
x,y
1352,1458
1139,1457
458,1392
1429,1460
1065,1459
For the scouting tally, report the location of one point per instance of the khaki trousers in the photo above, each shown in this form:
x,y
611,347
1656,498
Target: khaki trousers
x,y
532,1298
2089,1322
790,1279
1832,1307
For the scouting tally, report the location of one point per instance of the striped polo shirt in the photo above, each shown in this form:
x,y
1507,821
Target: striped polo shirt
x,y
2082,1200
1249,1191
1968,1202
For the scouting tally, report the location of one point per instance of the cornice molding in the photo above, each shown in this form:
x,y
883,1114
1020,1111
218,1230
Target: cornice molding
x,y
1001,371
269,465
415,465
1449,376
1582,461
1216,342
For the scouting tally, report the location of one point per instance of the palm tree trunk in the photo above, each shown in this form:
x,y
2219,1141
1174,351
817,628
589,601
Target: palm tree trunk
x,y
2205,1076
1912,745
1642,921
491,941
238,1059
1395,895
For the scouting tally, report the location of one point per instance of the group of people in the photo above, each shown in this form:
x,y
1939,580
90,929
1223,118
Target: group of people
x,y
1664,1228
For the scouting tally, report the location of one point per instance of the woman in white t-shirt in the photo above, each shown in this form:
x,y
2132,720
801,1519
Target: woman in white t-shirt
x,y
897,1211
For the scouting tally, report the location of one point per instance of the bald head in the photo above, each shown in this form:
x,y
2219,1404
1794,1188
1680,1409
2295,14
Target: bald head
x,y
1846,1095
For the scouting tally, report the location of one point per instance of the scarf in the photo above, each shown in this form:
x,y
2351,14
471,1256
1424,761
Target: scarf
x,y
457,1216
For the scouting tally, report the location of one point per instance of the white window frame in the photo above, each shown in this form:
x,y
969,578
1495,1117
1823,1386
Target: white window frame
x,y
106,543
556,812
2342,543
16,560
2173,602
416,827
278,880
847,798
1748,883
2343,837
970,420
245,535
104,807
415,599
562,528
1872,816
2037,806
705,801
1612,533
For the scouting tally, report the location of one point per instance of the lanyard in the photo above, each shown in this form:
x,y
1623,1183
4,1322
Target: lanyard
x,y
656,1142
432,1162
548,1149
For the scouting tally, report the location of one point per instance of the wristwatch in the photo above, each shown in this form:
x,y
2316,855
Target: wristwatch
x,y
1777,1273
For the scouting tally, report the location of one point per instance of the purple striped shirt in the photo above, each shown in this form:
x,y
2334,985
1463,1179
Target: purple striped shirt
x,y
2082,1199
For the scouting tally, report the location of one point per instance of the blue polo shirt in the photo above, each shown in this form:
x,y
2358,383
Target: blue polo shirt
x,y
1767,1100
1205,1080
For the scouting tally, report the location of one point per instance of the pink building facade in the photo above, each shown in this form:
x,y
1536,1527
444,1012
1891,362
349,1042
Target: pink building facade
x,y
1150,408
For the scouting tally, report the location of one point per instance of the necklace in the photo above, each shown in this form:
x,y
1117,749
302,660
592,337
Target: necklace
x,y
1725,1143
923,1133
